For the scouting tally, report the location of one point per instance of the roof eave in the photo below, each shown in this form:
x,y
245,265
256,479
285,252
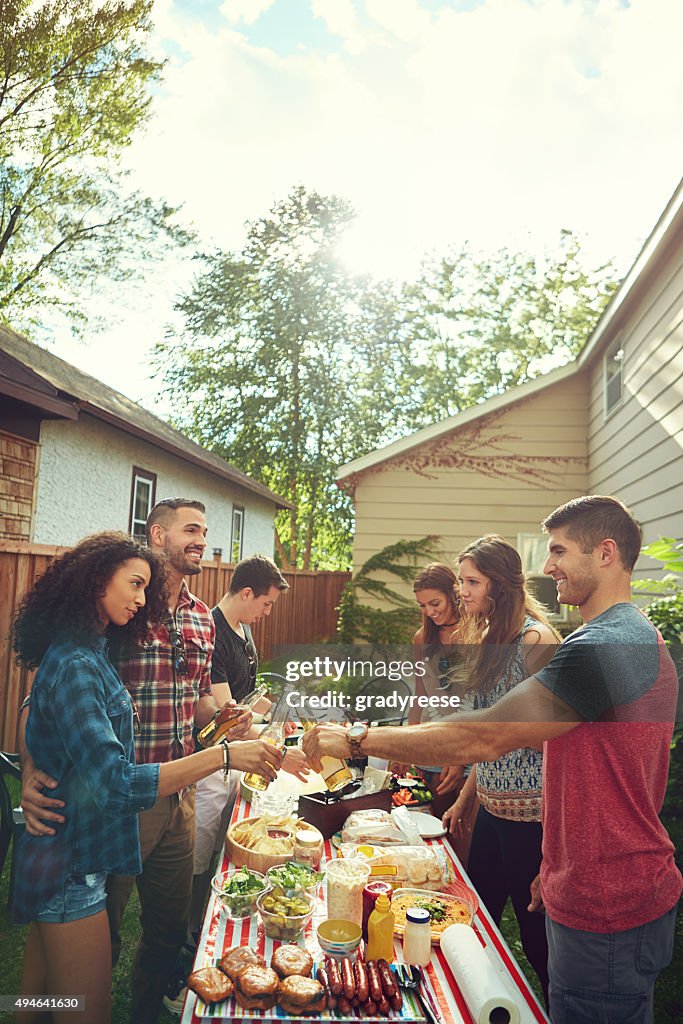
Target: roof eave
x,y
490,405
196,460
51,404
668,225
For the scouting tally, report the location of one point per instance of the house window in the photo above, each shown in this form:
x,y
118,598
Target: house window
x,y
142,497
533,550
613,363
237,534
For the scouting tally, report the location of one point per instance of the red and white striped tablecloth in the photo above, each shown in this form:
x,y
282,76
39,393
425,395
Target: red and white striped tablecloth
x,y
219,934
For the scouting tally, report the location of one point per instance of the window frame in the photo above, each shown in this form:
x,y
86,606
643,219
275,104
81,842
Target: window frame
x,y
611,353
237,510
151,478
563,613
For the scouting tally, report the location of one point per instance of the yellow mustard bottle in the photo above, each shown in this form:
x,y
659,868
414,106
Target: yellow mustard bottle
x,y
380,944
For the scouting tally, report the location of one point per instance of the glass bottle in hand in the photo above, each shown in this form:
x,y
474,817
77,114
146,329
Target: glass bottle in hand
x,y
226,719
335,772
273,734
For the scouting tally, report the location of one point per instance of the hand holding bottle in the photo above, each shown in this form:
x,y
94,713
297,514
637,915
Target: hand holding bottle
x,y
296,763
258,756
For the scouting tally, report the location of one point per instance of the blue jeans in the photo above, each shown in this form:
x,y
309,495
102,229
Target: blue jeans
x,y
607,978
79,896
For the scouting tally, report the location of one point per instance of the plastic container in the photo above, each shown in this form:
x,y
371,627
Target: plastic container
x,y
380,944
308,848
309,884
459,904
346,880
417,939
238,905
283,926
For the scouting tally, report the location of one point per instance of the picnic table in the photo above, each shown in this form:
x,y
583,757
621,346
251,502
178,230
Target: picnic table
x,y
219,934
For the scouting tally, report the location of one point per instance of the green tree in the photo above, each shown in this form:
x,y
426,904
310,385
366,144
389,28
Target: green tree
x,y
482,324
75,79
277,368
375,623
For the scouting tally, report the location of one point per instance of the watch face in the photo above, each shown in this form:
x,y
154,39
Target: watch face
x,y
358,731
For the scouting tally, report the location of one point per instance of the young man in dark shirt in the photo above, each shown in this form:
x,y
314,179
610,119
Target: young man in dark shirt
x,y
255,586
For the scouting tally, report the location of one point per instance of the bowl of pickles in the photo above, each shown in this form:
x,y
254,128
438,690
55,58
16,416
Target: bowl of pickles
x,y
292,878
238,890
285,917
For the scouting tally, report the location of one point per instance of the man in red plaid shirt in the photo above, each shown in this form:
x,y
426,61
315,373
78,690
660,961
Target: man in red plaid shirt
x,y
169,680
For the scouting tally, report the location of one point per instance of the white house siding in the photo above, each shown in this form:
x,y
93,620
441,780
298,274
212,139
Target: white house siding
x,y
637,453
457,504
84,485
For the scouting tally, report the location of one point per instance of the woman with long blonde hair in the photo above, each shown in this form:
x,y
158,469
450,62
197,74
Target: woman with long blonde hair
x,y
505,637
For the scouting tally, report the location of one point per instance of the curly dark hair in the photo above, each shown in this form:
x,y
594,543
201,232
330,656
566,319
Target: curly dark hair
x,y
63,601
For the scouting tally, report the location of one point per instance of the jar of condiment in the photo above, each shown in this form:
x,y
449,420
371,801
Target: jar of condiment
x,y
308,848
346,880
417,940
370,893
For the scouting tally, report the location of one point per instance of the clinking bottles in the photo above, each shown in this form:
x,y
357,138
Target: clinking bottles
x,y
226,718
335,772
380,944
274,734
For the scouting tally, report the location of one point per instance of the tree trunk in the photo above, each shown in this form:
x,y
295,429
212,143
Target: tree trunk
x,y
282,553
309,544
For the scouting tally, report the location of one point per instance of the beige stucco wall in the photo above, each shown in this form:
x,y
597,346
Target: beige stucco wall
x,y
84,485
548,431
637,453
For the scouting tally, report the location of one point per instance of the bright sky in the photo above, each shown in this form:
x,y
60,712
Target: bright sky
x,y
494,121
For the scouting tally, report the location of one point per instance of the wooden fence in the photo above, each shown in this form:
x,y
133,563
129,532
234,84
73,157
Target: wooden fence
x,y
306,613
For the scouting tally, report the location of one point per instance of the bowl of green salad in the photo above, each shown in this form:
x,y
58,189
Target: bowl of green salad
x,y
239,889
292,878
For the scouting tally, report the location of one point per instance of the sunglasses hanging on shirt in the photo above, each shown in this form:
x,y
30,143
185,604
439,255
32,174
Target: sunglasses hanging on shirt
x,y
179,652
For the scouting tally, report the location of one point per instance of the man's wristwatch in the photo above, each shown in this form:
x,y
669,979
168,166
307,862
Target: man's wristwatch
x,y
356,733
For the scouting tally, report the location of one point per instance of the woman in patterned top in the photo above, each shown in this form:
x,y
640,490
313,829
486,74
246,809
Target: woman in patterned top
x,y
80,731
506,637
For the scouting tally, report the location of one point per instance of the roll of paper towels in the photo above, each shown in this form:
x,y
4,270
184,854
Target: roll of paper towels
x,y
489,999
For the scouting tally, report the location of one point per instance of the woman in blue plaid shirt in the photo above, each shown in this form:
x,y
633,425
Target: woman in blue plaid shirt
x,y
80,731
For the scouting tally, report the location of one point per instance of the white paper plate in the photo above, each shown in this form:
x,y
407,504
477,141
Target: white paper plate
x,y
428,826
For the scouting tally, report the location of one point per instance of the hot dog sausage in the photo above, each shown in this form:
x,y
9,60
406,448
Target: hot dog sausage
x,y
369,1008
355,1002
344,1006
374,982
389,986
396,1002
362,985
333,974
383,1007
348,980
322,977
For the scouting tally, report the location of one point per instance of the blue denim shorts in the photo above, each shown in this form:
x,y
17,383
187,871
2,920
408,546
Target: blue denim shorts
x,y
78,896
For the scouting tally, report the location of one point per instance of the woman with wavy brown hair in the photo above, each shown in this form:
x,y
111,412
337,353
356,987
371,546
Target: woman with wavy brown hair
x,y
436,592
106,590
504,637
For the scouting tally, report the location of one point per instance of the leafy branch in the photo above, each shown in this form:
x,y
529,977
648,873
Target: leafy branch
x,y
359,621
